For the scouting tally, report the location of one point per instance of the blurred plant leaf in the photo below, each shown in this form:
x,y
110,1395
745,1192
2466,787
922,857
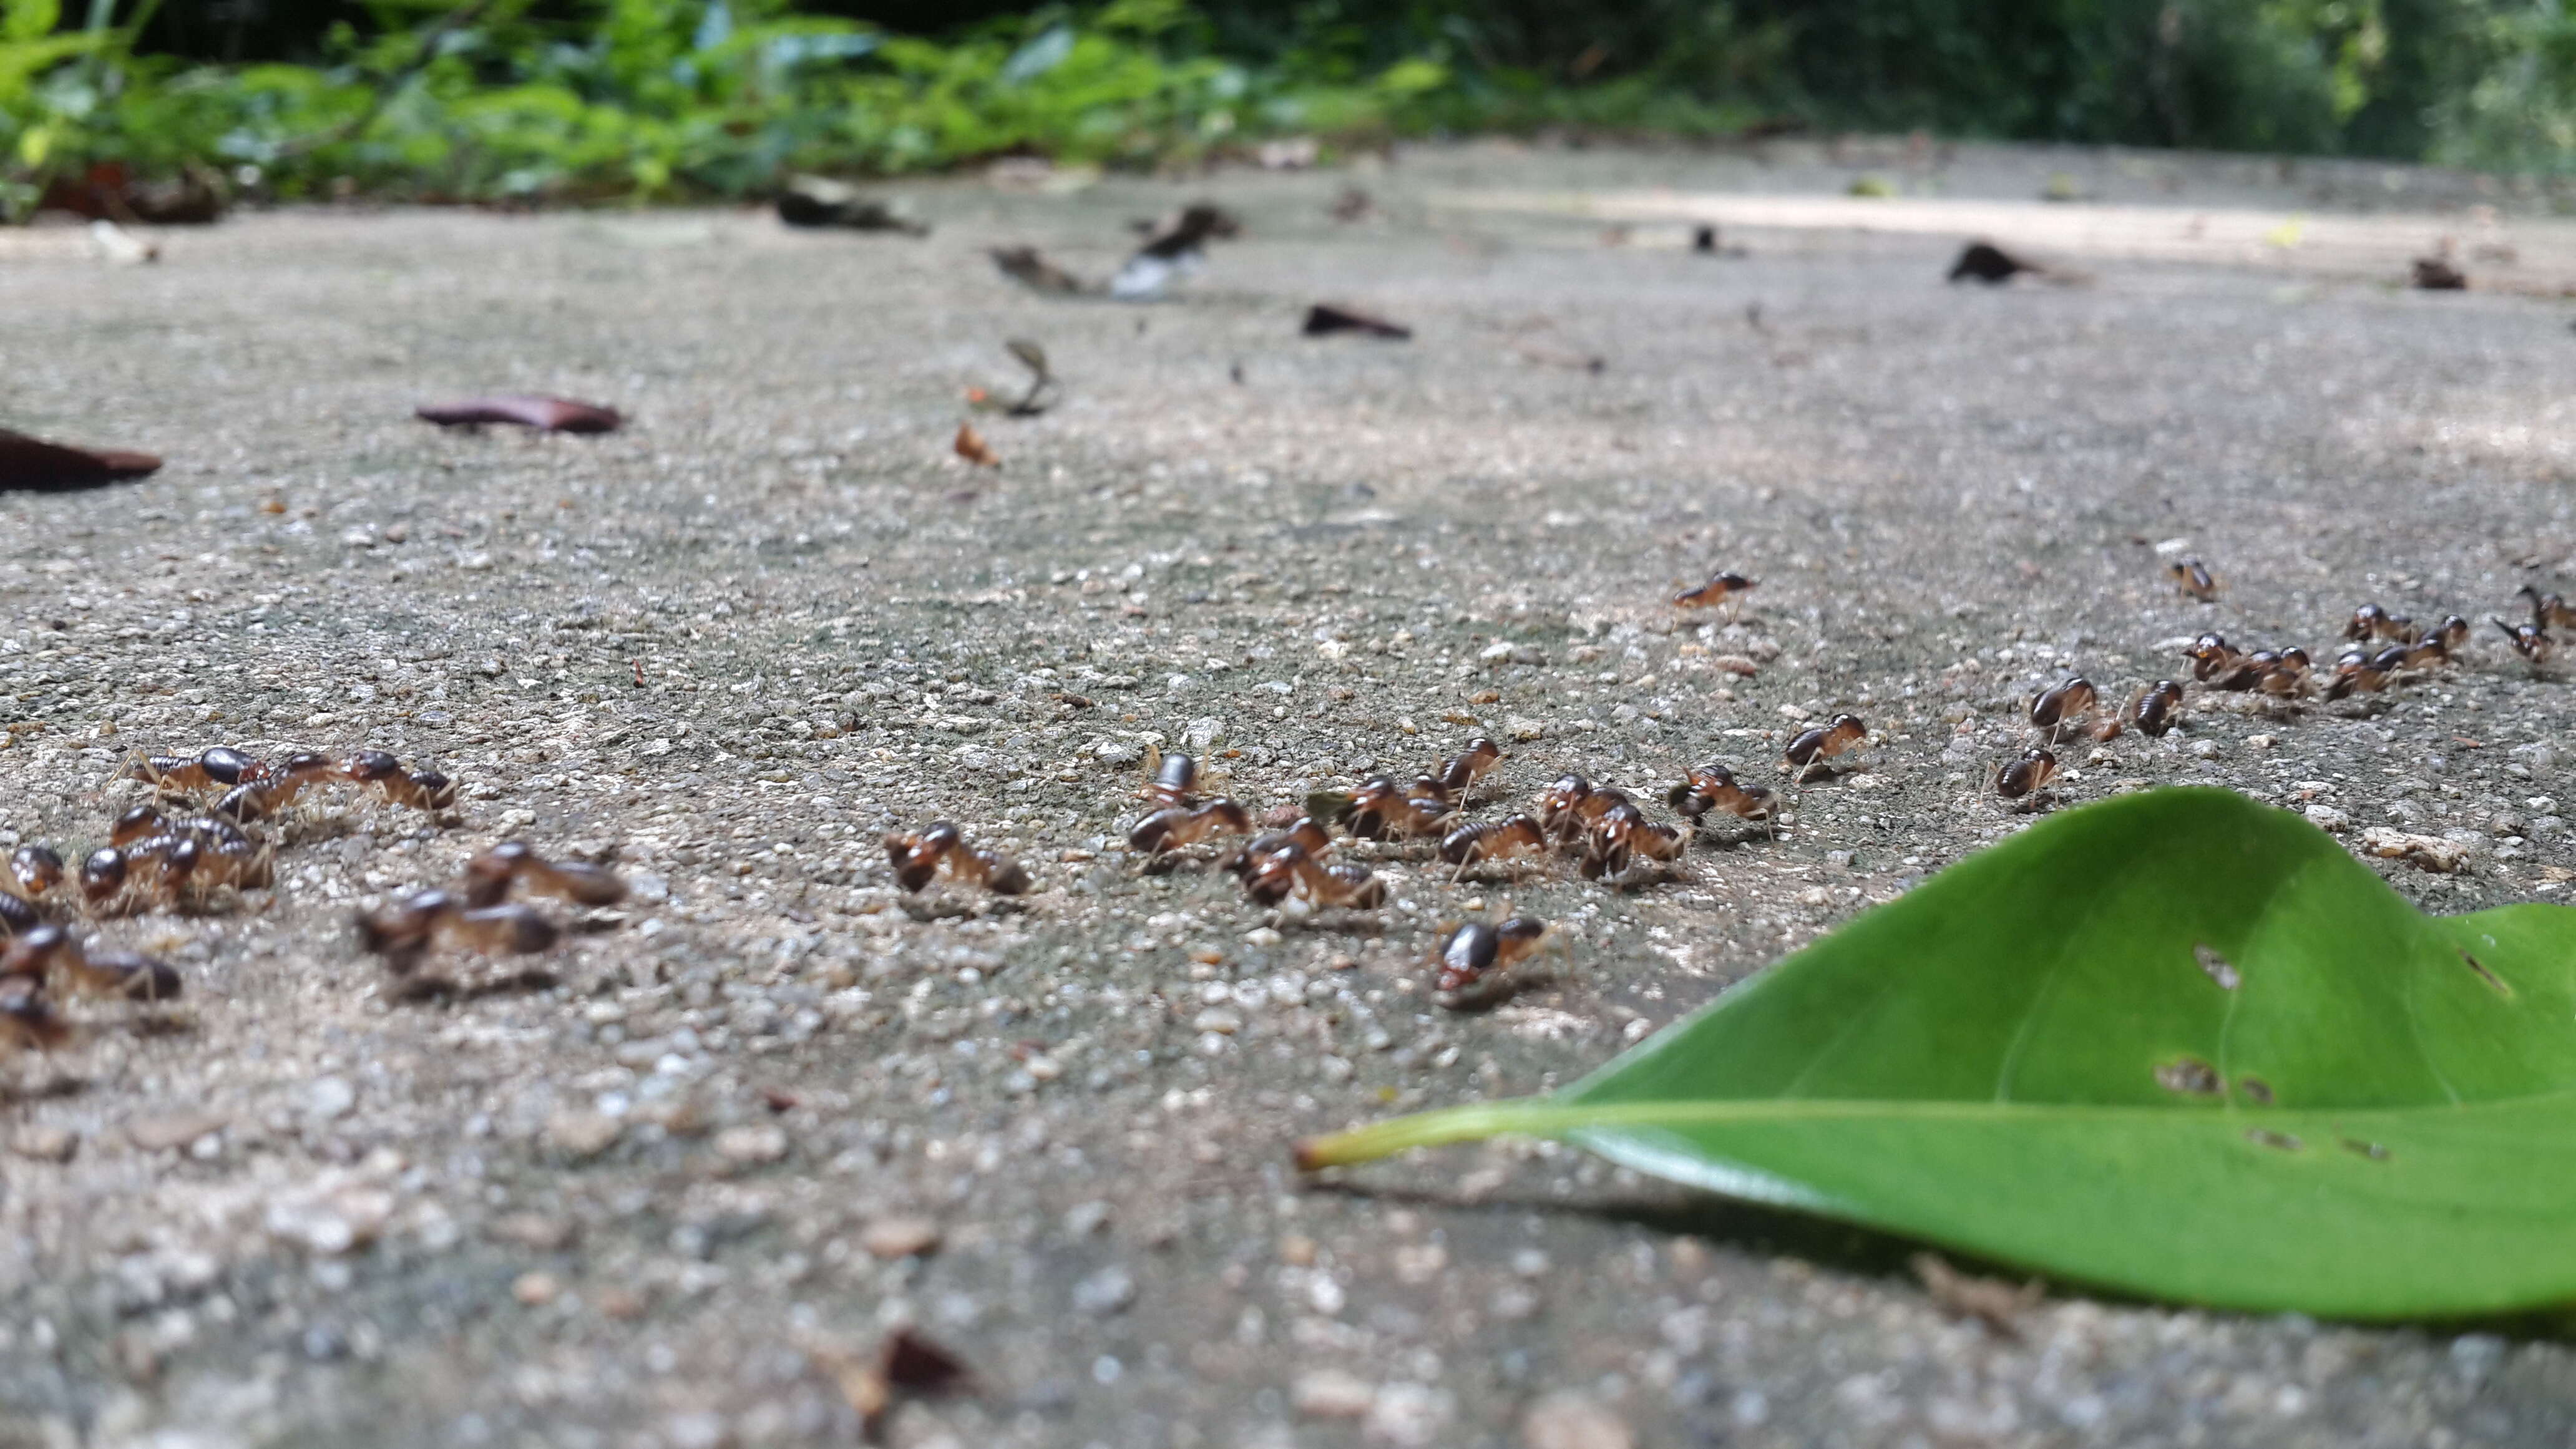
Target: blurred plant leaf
x,y
2178,1043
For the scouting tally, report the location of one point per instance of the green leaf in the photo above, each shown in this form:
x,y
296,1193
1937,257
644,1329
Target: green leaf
x,y
2178,1043
29,19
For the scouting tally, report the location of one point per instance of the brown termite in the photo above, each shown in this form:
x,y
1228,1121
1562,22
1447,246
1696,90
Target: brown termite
x,y
2424,653
1175,777
2549,611
282,785
1292,870
1813,747
1382,809
34,870
2529,640
2356,673
218,768
1714,787
1724,588
2210,656
1306,834
145,822
2283,674
405,931
919,857
52,954
26,1021
2194,578
1485,840
2026,776
1456,774
489,876
103,876
1622,837
2064,706
1175,826
2371,622
2157,708
1476,958
1561,806
2453,631
18,916
379,773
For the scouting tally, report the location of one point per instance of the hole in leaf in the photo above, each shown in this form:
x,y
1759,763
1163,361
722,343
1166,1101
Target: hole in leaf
x,y
2371,1150
2281,1141
2217,967
2489,977
2256,1090
2190,1074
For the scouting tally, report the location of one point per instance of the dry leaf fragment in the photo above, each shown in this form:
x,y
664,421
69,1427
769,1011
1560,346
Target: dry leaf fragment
x,y
545,414
27,462
971,446
905,1364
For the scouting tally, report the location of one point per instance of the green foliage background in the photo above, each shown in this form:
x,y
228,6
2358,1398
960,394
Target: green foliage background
x,y
597,99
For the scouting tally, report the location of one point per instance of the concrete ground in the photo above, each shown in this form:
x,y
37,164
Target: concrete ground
x,y
770,1108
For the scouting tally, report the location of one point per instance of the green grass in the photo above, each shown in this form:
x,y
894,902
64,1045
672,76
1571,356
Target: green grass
x,y
640,100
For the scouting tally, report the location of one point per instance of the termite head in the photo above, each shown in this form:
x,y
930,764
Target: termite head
x,y
2453,631
102,875
2209,654
36,868
2365,622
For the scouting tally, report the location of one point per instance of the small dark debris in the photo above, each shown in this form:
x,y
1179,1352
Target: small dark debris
x,y
2436,274
2280,1141
1704,240
1324,319
1985,262
545,414
1188,230
2372,1150
1353,204
2256,1090
2190,1074
2489,977
2217,966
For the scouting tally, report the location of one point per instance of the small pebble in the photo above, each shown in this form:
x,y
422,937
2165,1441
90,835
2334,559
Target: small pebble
x,y
1566,1420
900,1237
